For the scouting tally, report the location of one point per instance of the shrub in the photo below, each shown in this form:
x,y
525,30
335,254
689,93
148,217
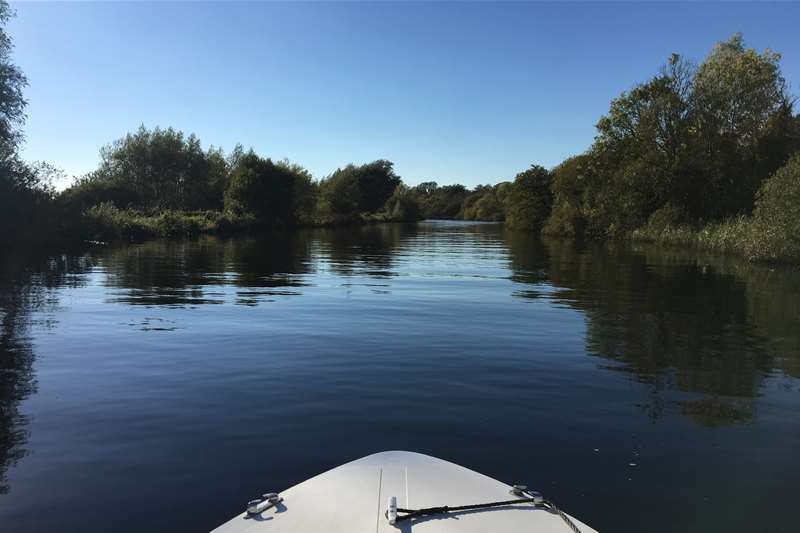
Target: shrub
x,y
776,219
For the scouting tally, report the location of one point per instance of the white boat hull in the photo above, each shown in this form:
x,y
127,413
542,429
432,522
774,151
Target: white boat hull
x,y
352,498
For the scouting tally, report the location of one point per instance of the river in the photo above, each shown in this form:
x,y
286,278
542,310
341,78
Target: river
x,y
159,386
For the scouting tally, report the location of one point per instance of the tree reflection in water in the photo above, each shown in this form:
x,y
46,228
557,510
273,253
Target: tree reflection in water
x,y
26,297
673,320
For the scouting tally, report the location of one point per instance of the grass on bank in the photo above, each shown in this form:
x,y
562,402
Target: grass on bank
x,y
107,223
771,234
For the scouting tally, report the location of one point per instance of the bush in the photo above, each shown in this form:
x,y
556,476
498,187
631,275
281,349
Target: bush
x,y
776,218
90,191
105,222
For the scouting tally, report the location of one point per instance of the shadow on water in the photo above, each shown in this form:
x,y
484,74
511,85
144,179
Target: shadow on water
x,y
674,321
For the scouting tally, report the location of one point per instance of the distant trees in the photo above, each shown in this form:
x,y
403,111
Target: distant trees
x,y
439,201
150,172
693,147
402,206
486,202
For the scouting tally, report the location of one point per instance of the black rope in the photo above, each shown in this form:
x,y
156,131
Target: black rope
x,y
415,513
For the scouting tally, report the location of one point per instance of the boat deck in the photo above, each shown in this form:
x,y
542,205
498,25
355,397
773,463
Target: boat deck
x,y
352,498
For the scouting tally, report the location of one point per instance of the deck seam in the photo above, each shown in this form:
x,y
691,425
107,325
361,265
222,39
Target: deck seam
x,y
378,514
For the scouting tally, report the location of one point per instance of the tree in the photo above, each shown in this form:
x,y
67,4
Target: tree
x,y
569,181
377,181
439,202
165,169
530,199
486,202
268,191
643,147
402,206
25,190
741,99
12,100
339,197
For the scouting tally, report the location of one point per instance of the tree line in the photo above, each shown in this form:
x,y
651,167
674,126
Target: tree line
x,y
703,154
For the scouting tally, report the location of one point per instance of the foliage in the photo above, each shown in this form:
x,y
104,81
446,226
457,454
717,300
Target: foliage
x,y
568,183
776,219
105,222
684,157
26,194
440,202
274,193
12,83
165,169
741,103
88,191
402,206
376,181
530,199
680,157
339,198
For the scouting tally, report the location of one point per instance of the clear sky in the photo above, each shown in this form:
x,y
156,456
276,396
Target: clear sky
x,y
453,92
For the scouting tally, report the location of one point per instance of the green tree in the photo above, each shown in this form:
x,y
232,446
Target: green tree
x,y
12,100
530,199
402,205
26,207
339,197
376,181
740,98
440,202
274,193
165,169
569,181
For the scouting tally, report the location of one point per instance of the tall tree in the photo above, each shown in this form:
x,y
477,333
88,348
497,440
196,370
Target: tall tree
x,y
741,98
530,199
165,169
12,83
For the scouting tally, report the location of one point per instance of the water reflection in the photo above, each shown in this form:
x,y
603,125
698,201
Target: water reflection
x,y
698,336
26,301
364,250
674,325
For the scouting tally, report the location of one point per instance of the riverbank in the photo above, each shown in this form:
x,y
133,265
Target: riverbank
x,y
107,223
735,236
756,240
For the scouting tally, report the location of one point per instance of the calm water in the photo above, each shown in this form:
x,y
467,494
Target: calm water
x,y
160,386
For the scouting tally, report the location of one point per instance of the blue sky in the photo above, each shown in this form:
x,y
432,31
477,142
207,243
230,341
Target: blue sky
x,y
453,92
